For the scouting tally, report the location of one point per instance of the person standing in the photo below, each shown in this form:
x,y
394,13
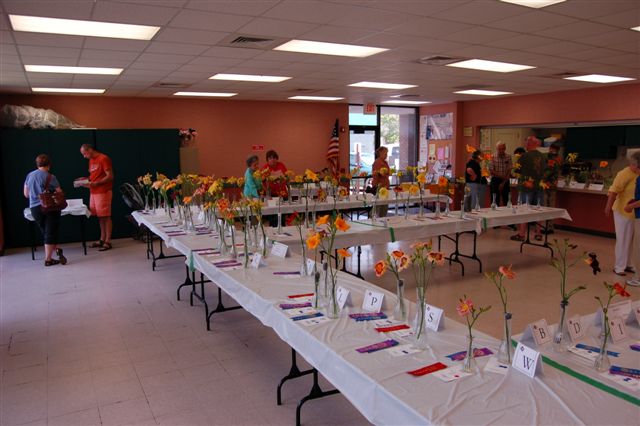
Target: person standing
x,y
475,181
252,185
621,191
554,163
37,182
500,170
380,179
276,184
101,193
634,206
531,166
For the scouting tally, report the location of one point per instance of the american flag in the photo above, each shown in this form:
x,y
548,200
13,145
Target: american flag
x,y
333,152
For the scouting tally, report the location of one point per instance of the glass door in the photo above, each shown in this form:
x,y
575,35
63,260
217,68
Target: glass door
x,y
362,142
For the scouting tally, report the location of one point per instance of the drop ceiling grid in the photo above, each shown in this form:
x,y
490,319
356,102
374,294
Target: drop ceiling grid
x,y
582,39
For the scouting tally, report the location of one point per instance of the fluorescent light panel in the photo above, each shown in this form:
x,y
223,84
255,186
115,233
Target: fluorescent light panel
x,y
315,98
482,65
378,85
599,78
250,77
323,48
536,4
206,94
636,28
72,70
36,24
399,102
65,90
479,92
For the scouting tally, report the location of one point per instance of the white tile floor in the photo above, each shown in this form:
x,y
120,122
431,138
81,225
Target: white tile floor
x,y
103,341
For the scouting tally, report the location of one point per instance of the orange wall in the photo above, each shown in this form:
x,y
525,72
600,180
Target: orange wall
x,y
300,132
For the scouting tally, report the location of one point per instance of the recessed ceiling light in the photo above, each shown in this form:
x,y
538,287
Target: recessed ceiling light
x,y
250,77
323,48
72,70
315,98
482,65
483,92
599,78
63,90
209,94
536,4
636,28
399,102
36,24
378,85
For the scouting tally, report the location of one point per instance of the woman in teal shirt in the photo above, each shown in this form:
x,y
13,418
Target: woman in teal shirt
x,y
251,184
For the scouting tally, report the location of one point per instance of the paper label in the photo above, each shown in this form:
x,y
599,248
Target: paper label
x,y
279,250
402,350
596,187
256,261
450,374
434,317
299,311
576,329
539,332
313,321
576,185
620,309
628,382
618,329
495,366
372,301
584,353
526,360
342,295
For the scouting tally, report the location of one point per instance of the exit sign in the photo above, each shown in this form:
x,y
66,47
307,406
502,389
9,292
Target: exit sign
x,y
369,109
257,147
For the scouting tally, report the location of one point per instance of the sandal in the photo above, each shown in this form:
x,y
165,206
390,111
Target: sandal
x,y
51,262
97,244
61,258
105,247
517,238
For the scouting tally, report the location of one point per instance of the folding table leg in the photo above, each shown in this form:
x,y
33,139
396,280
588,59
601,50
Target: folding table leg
x,y
294,373
315,393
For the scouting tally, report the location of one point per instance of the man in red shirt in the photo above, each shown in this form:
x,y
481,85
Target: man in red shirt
x,y
101,189
277,187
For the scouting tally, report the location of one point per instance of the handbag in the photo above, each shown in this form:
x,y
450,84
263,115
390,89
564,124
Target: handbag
x,y
51,201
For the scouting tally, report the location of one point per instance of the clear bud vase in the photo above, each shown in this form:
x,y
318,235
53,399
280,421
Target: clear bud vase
x,y
146,203
602,362
437,206
494,206
477,206
420,323
469,365
462,204
400,310
304,271
509,203
234,249
421,210
373,211
447,211
561,338
505,351
406,209
316,287
331,308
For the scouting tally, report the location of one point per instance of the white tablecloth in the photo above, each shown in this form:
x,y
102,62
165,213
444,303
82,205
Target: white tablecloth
x,y
377,384
75,210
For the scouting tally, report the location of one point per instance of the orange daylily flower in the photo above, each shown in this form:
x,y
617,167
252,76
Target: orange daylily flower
x,y
397,254
471,149
622,291
322,220
507,272
313,240
465,307
342,224
436,257
343,253
380,268
604,164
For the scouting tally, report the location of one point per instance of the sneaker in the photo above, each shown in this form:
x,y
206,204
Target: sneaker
x,y
633,283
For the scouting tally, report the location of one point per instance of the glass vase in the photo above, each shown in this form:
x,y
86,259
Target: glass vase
x,y
438,206
561,338
304,270
505,351
331,308
316,289
421,210
234,249
400,309
146,203
447,210
494,206
420,323
602,362
469,365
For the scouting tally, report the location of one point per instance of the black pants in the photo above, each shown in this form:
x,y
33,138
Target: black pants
x,y
49,224
502,196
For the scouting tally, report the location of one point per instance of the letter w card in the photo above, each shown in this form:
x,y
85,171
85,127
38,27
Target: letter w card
x,y
527,361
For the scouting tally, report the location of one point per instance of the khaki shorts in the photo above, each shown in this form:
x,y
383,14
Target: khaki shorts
x,y
100,204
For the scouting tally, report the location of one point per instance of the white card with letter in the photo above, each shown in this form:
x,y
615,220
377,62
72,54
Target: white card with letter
x,y
617,329
256,261
620,309
576,328
526,360
372,301
538,332
434,317
279,250
342,296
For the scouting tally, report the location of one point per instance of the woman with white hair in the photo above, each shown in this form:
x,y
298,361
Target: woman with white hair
x,y
621,193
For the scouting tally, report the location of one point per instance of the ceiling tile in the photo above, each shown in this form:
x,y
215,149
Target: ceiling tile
x,y
413,7
232,52
55,40
102,62
199,20
577,30
558,48
108,54
132,13
178,48
212,61
521,42
479,35
115,44
480,12
622,20
54,52
80,9
46,60
165,58
275,27
251,8
163,3
319,12
179,35
335,34
588,9
158,66
364,17
429,27
532,22
613,38
7,50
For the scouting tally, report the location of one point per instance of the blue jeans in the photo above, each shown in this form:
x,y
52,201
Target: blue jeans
x,y
476,196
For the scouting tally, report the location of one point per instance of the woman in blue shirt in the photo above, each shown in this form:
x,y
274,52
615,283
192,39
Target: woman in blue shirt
x,y
251,184
49,223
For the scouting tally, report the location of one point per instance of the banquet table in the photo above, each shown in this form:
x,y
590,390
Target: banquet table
x,y
377,384
74,208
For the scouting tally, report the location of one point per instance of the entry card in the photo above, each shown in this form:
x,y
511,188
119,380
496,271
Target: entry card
x,y
434,317
372,301
527,361
495,366
342,296
539,332
576,329
256,261
618,329
279,250
452,373
620,309
402,350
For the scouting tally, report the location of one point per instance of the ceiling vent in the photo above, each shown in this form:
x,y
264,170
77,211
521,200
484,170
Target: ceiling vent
x,y
438,60
251,42
302,90
170,85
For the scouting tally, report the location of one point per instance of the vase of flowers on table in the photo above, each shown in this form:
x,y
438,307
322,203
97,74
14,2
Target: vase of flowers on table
x,y
395,262
470,313
505,350
602,362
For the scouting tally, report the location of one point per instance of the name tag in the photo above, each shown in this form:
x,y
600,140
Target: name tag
x,y
372,301
279,250
618,329
342,295
539,332
433,317
576,328
527,361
